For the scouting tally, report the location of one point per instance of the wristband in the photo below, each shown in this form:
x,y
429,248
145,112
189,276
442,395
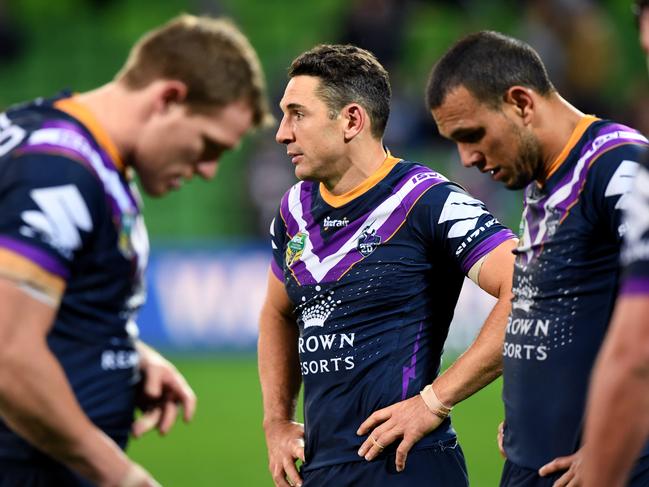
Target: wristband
x,y
433,403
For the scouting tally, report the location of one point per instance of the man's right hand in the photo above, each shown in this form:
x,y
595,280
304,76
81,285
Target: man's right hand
x,y
500,439
285,441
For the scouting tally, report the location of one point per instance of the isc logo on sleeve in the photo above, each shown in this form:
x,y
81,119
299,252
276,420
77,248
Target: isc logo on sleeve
x,y
63,212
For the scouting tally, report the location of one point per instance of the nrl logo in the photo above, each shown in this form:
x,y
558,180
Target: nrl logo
x,y
295,248
368,241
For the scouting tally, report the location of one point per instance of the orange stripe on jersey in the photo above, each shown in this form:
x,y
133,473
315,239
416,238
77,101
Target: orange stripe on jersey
x,y
581,127
72,107
17,268
364,187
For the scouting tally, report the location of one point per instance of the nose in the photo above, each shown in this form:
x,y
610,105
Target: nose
x,y
207,169
469,156
284,133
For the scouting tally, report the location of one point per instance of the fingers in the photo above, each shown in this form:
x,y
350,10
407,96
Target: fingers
x,y
556,465
378,440
279,476
374,420
153,382
402,453
565,480
292,475
188,400
146,422
298,449
500,439
168,417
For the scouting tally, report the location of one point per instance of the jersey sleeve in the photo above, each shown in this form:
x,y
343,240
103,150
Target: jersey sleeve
x,y
609,183
635,250
48,208
278,237
459,224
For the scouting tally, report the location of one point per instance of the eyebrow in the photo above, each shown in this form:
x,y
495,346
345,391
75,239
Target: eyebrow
x,y
467,133
294,106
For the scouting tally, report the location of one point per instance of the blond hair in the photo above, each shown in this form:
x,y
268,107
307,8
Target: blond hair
x,y
211,56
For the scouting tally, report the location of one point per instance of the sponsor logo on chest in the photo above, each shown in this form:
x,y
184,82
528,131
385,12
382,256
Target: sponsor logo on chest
x,y
333,223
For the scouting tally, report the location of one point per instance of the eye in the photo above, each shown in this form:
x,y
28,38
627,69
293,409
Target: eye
x,y
212,150
471,136
299,115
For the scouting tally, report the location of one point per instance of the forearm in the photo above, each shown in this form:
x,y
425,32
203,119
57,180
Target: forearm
x,y
617,424
36,401
480,364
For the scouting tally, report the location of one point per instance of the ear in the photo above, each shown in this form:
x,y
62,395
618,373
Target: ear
x,y
522,100
168,93
355,119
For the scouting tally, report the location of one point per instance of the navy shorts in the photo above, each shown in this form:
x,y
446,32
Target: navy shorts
x,y
515,476
14,473
437,466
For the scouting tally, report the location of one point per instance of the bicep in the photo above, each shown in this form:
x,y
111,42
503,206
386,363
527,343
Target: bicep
x,y
24,319
496,273
277,304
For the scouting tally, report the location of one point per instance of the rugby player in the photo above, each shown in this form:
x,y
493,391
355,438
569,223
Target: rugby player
x,y
369,255
73,248
491,95
617,419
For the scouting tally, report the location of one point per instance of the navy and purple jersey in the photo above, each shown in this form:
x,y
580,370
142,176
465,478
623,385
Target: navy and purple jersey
x,y
374,276
565,283
71,230
635,251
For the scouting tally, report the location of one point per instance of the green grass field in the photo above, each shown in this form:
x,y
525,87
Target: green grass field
x,y
224,445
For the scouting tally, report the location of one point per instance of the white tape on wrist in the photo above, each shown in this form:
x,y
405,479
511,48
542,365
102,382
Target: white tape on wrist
x,y
433,403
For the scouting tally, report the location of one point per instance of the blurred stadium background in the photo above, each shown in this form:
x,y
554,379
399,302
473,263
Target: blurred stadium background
x,y
209,260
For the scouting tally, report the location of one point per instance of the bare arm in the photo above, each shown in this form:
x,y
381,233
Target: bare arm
x,y
279,374
36,400
411,419
617,418
481,363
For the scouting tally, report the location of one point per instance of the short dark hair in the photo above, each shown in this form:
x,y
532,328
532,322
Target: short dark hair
x,y
487,64
348,74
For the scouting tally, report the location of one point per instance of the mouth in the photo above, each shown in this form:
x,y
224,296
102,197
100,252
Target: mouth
x,y
176,183
295,157
493,172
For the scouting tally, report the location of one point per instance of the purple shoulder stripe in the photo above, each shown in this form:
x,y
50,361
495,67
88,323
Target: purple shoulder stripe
x,y
36,255
634,286
486,246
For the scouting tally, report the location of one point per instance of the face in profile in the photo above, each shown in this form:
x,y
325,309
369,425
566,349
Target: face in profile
x,y
313,135
493,140
178,143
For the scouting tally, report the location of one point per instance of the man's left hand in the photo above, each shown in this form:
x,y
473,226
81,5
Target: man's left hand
x,y
408,420
162,391
571,464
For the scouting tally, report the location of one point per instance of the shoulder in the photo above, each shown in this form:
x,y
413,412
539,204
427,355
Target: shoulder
x,y
611,145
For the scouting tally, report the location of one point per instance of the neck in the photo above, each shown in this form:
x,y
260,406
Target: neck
x,y
119,111
359,164
558,122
